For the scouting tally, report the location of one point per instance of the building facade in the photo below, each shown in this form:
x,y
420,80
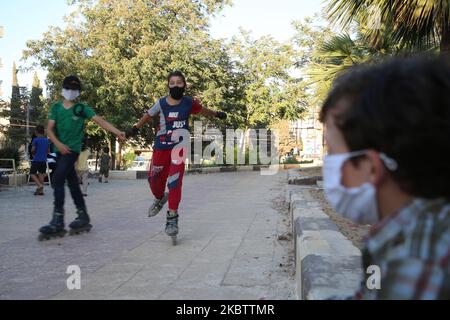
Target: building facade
x,y
308,132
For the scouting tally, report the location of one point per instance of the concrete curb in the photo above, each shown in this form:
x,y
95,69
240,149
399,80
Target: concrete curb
x,y
294,177
8,180
327,264
132,175
137,175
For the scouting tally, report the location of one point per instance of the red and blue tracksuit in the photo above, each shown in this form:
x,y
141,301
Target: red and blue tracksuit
x,y
164,169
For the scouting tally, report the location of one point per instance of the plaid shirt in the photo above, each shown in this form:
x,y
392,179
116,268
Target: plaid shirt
x,y
412,250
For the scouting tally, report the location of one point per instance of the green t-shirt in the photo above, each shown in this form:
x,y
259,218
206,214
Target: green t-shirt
x,y
69,128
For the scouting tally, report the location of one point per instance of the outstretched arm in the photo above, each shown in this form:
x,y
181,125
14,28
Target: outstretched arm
x,y
208,112
211,113
198,108
108,126
134,130
145,118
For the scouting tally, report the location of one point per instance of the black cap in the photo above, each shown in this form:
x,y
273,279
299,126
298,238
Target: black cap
x,y
72,83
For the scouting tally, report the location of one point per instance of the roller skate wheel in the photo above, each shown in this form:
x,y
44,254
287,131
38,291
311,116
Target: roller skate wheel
x,y
60,234
74,232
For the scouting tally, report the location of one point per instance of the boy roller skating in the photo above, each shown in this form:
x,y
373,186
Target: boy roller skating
x,y
66,131
173,112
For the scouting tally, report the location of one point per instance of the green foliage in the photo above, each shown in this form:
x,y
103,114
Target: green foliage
x,y
9,151
306,42
265,90
293,160
17,114
410,24
328,53
127,160
286,141
123,51
38,113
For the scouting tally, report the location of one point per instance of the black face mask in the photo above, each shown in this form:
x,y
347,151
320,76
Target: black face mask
x,y
177,92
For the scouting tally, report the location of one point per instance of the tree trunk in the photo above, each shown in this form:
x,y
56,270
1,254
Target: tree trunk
x,y
445,40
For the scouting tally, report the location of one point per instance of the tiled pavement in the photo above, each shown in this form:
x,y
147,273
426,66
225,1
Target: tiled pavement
x,y
228,247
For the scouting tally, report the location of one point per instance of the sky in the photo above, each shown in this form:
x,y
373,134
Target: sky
x,y
24,20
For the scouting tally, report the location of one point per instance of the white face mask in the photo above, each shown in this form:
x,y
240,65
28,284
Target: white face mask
x,y
357,204
70,94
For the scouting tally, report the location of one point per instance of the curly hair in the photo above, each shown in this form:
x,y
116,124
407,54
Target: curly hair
x,y
401,108
176,74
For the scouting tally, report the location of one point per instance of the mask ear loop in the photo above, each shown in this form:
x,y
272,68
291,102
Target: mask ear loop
x,y
390,163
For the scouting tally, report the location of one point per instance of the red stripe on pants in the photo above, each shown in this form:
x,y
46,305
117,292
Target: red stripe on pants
x,y
163,169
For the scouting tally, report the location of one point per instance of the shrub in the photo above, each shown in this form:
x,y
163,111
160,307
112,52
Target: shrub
x,y
9,151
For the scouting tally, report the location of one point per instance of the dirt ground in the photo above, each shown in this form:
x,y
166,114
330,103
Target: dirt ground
x,y
352,231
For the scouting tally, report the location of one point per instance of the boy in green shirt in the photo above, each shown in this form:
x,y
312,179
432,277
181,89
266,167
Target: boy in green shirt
x,y
66,131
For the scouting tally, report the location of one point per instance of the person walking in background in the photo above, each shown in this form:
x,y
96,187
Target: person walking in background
x,y
39,150
30,153
104,165
138,157
82,168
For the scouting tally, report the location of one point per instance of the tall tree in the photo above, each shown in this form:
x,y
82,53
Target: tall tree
x,y
265,90
17,111
123,52
307,43
326,53
38,113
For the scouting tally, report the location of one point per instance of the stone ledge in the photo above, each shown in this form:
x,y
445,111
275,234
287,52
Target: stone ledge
x,y
327,264
330,276
295,178
130,175
122,175
8,180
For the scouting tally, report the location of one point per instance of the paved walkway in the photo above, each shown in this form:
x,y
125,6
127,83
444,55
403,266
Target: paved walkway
x,y
227,248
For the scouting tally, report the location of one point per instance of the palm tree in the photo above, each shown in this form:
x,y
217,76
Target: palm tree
x,y
418,24
335,53
331,58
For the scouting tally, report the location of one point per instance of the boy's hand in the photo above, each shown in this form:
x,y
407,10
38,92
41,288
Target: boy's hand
x,y
221,115
132,132
122,136
63,149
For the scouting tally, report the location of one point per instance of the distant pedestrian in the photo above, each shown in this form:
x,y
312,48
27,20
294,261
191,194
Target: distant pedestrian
x,y
39,150
82,168
104,165
30,153
138,156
